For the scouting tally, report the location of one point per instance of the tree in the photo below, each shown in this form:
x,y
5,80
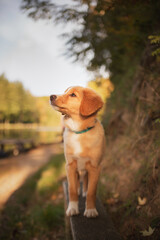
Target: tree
x,y
47,116
17,104
4,89
104,87
111,33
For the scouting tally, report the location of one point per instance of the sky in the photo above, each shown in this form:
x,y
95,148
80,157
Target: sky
x,y
32,52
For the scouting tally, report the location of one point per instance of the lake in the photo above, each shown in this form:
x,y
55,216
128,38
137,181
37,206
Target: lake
x,y
38,134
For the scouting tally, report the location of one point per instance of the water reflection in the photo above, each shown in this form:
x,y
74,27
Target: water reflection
x,y
40,134
12,137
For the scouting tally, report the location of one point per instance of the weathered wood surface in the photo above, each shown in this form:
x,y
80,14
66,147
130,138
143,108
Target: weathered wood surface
x,y
83,228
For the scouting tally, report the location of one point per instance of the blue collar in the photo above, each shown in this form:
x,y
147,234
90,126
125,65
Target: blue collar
x,y
83,131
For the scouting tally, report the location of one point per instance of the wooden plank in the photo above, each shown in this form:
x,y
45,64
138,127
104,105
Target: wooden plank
x,y
83,228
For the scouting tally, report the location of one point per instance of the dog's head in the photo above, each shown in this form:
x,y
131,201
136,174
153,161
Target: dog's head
x,y
77,101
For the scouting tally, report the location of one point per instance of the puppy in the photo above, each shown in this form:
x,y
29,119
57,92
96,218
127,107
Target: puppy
x,y
84,144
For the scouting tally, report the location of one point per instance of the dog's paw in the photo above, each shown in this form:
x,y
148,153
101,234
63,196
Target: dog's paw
x,y
91,213
72,209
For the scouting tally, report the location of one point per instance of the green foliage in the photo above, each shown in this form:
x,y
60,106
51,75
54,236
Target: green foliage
x,y
18,105
109,34
156,41
49,216
32,215
48,181
104,87
47,116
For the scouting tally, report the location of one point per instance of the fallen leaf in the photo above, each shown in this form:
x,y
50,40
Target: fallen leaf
x,y
142,201
146,233
111,201
54,197
138,207
116,195
19,225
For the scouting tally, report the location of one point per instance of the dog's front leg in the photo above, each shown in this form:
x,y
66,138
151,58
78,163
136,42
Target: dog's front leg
x,y
72,177
93,175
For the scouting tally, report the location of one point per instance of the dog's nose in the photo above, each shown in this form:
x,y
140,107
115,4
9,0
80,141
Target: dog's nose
x,y
53,97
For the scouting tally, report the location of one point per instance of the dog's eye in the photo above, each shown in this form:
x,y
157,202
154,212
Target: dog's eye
x,y
73,95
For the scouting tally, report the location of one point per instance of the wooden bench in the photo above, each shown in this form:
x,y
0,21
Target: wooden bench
x,y
100,228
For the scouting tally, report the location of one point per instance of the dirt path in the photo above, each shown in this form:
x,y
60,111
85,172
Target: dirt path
x,y
15,170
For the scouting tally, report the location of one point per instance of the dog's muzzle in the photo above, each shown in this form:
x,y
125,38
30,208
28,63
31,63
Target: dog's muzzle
x,y
53,97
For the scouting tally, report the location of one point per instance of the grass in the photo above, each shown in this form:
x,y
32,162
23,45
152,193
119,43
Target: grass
x,y
36,210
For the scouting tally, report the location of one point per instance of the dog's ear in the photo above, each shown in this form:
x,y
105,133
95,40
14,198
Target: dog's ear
x,y
91,103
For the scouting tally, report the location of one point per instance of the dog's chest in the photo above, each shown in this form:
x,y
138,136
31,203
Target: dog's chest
x,y
73,144
72,139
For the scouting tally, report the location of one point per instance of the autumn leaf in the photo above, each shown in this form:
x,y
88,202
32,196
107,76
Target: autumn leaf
x,y
146,233
19,225
142,201
110,201
116,195
54,197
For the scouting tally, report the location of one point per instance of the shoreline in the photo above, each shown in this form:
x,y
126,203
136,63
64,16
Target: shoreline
x,y
6,126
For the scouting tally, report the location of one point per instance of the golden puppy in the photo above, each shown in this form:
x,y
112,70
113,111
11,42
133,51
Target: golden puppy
x,y
84,144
